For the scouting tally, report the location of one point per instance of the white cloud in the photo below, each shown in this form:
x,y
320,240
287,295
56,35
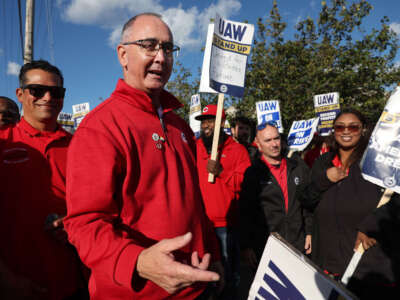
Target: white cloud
x,y
189,25
13,68
395,27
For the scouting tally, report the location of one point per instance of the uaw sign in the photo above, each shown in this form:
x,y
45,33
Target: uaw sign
x,y
66,121
285,273
381,161
301,133
79,111
195,110
269,111
327,107
231,46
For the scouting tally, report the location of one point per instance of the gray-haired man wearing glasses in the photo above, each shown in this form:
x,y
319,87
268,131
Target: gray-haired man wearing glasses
x,y
135,211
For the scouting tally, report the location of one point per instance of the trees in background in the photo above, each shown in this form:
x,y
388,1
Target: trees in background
x,y
334,53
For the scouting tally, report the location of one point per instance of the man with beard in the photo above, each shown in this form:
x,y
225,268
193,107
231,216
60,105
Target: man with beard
x,y
243,132
220,197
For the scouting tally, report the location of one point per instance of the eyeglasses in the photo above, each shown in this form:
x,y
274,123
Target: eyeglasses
x,y
352,128
38,90
265,124
152,46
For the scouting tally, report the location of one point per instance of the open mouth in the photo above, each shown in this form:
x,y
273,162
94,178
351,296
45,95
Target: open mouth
x,y
156,72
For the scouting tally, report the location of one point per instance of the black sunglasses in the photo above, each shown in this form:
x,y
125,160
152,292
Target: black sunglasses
x,y
38,90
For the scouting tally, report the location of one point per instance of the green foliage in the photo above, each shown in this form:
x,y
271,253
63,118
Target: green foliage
x,y
324,56
331,54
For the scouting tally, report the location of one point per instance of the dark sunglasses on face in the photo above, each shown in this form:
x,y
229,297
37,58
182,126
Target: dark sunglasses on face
x,y
352,128
38,90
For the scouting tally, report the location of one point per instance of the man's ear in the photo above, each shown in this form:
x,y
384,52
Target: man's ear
x,y
122,55
257,143
19,93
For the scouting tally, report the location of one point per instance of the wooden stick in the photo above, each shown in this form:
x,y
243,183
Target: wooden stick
x,y
351,267
217,128
290,153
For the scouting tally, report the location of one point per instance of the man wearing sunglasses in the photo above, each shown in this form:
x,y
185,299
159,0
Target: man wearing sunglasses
x,y
270,196
32,175
135,211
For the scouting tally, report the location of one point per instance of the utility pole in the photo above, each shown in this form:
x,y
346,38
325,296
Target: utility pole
x,y
29,21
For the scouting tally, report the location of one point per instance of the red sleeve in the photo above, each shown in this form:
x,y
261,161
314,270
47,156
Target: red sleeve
x,y
94,164
234,179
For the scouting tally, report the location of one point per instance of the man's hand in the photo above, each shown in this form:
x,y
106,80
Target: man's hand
x,y
157,263
366,241
214,167
250,257
335,174
307,244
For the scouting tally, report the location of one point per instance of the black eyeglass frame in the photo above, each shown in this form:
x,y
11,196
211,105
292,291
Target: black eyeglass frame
x,y
39,90
161,45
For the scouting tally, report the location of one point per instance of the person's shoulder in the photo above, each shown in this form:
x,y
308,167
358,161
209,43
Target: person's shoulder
x,y
234,145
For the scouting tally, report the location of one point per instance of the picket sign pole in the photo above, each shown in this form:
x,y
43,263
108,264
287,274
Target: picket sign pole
x,y
351,267
290,153
217,129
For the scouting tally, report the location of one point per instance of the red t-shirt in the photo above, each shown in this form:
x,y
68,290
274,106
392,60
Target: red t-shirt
x,y
280,174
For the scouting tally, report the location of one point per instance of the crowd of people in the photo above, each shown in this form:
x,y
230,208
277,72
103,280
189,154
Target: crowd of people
x,y
125,209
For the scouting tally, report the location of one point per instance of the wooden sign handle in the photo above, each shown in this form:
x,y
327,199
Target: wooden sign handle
x,y
217,127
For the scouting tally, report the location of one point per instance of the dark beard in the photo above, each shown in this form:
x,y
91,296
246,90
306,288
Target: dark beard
x,y
208,140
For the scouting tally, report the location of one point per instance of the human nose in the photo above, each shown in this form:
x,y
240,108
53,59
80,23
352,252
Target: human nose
x,y
47,95
161,55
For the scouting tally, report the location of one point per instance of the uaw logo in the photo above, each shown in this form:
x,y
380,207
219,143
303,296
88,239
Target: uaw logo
x,y
224,88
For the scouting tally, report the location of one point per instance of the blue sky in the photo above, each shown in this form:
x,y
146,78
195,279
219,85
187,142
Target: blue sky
x,y
79,36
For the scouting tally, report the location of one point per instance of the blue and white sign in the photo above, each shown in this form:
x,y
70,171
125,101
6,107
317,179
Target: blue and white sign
x,y
269,111
301,133
79,111
205,70
327,107
195,110
381,161
66,121
286,273
230,48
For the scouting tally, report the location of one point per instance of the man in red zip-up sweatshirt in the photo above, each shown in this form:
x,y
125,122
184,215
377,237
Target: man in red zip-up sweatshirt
x,y
135,211
221,197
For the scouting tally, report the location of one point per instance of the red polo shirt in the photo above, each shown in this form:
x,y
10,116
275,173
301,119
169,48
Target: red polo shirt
x,y
32,178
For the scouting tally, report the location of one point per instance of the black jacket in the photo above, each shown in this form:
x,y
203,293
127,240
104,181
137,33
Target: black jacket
x,y
262,206
344,209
